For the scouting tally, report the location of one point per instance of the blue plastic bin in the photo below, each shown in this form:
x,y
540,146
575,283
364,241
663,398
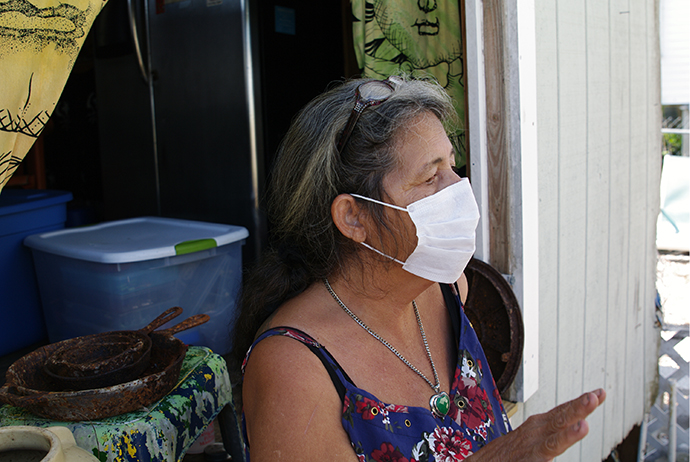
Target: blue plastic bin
x,y
24,212
120,275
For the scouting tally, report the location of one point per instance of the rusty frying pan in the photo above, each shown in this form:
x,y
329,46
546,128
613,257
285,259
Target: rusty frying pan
x,y
29,387
105,359
494,313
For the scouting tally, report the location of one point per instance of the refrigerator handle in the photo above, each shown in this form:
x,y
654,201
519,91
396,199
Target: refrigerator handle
x,y
135,39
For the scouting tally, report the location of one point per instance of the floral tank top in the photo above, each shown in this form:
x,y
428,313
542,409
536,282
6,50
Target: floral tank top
x,y
389,432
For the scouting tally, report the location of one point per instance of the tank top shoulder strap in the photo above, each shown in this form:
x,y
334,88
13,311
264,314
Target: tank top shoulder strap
x,y
452,299
328,361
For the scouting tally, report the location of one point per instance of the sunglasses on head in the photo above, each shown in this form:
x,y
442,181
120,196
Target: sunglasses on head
x,y
368,94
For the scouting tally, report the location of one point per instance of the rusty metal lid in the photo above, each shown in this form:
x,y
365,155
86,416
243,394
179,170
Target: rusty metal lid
x,y
495,315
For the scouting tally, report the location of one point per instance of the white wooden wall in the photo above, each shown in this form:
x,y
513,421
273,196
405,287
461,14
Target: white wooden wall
x,y
598,121
675,58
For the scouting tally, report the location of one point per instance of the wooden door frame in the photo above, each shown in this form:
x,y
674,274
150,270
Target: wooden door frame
x,y
500,58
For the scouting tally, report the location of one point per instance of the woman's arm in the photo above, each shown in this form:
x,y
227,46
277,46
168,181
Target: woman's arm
x,y
291,407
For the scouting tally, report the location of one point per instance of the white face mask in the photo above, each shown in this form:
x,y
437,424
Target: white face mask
x,y
446,223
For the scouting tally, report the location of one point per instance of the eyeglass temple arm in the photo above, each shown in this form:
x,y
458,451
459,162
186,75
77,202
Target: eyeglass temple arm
x,y
352,121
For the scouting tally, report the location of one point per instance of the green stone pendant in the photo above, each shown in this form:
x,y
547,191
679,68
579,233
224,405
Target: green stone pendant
x,y
440,404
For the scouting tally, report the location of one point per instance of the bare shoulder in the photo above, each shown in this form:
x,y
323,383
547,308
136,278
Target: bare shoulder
x,y
463,287
291,406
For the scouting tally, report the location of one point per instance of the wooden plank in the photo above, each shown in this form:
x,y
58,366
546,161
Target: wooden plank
x,y
498,148
572,216
598,148
619,169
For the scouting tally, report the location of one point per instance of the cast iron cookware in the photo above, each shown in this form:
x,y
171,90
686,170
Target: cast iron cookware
x,y
495,315
105,359
29,387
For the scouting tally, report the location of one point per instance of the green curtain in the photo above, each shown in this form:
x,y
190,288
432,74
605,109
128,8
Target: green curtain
x,y
417,37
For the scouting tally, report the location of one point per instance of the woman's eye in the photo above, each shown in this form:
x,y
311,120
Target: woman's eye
x,y
431,180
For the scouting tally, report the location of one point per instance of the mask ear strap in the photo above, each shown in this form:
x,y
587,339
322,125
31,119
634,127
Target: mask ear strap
x,y
381,253
378,202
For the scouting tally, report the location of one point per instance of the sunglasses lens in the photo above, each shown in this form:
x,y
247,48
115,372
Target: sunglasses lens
x,y
368,94
375,91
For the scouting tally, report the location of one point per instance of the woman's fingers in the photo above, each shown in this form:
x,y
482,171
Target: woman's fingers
x,y
558,442
544,436
569,413
564,425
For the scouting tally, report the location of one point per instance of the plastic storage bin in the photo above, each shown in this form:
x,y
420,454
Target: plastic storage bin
x,y
120,275
24,212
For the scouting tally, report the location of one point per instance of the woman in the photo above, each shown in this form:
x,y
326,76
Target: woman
x,y
362,351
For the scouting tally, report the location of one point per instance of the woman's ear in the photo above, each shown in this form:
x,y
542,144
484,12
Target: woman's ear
x,y
347,216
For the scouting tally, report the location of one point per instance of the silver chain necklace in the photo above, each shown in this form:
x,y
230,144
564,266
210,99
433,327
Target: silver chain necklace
x,y
440,401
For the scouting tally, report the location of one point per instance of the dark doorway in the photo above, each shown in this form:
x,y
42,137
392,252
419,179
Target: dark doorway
x,y
301,47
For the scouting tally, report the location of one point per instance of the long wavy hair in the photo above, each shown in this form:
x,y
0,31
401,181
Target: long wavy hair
x,y
309,173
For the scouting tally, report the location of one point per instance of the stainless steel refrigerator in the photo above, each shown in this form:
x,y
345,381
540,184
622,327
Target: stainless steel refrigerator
x,y
178,128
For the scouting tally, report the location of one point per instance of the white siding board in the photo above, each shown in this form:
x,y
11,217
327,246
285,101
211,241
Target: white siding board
x,y
525,264
634,382
572,130
547,139
598,125
651,337
596,264
675,61
618,223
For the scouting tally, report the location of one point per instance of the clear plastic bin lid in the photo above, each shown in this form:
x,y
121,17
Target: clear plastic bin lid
x,y
136,239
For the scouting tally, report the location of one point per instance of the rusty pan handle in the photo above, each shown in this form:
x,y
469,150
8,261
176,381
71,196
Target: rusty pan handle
x,y
9,395
188,323
164,317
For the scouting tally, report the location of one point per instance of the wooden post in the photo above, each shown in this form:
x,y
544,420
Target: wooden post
x,y
498,143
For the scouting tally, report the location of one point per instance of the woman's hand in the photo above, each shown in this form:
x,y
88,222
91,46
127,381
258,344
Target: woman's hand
x,y
544,436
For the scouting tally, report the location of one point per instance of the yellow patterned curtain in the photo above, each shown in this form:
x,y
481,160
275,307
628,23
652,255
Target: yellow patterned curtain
x,y
418,37
39,43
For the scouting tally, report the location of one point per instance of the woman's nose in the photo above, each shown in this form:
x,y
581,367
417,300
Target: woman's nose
x,y
449,178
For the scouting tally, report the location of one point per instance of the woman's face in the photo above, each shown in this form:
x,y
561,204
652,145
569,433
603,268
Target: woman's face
x,y
425,160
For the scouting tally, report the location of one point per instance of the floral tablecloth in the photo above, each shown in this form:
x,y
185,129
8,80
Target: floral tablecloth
x,y
163,432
